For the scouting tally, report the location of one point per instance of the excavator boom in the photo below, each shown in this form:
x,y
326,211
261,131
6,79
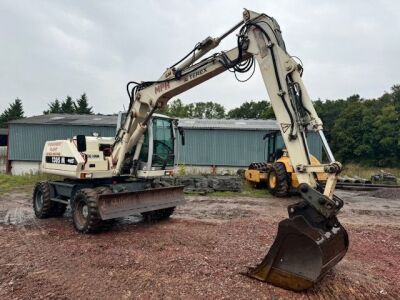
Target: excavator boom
x,y
311,240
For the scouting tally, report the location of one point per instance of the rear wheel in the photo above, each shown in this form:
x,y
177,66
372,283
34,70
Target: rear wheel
x,y
278,183
85,212
42,204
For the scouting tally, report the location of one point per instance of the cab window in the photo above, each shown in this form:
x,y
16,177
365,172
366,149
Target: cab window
x,y
163,142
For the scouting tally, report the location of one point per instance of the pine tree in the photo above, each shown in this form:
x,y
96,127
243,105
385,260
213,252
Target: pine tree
x,y
68,106
13,112
54,108
82,106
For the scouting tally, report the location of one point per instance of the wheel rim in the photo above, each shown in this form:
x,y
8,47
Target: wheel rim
x,y
272,180
81,213
39,200
85,211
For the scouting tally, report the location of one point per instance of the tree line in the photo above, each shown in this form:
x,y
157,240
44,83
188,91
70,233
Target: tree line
x,y
68,106
365,131
359,130
15,109
212,110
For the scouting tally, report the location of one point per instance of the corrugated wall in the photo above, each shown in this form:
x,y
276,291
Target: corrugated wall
x,y
26,141
221,147
203,146
230,147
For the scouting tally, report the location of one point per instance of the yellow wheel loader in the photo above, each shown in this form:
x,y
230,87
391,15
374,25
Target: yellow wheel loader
x,y
106,178
277,173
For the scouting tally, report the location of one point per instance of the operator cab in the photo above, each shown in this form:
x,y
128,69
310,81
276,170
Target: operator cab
x,y
157,155
275,146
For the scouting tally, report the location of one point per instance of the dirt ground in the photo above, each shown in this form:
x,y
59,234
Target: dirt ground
x,y
199,253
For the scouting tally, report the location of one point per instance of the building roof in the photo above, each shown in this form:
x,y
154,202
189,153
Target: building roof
x,y
69,119
111,121
241,124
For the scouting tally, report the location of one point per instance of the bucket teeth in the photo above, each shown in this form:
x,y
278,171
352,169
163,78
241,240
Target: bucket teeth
x,y
301,253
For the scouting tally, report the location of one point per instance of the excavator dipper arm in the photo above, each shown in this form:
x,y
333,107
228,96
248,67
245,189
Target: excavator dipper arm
x,y
311,240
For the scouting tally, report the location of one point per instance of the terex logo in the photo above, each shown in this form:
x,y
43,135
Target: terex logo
x,y
163,86
195,74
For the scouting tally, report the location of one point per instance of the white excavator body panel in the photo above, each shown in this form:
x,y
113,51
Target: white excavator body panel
x,y
61,157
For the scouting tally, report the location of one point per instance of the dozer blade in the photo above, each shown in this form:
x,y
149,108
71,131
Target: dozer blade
x,y
302,253
127,203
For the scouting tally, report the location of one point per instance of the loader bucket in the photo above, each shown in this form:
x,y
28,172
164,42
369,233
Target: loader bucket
x,y
128,203
301,254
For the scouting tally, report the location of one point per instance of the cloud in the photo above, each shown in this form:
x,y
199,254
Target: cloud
x,y
51,49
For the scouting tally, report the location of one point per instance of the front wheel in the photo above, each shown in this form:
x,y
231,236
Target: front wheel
x,y
85,214
278,183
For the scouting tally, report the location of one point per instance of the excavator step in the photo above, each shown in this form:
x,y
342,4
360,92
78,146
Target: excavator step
x,y
124,204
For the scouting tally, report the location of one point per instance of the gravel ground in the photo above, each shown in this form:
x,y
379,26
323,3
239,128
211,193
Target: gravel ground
x,y
199,253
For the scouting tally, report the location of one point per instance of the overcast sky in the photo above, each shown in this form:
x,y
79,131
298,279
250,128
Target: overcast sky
x,y
51,49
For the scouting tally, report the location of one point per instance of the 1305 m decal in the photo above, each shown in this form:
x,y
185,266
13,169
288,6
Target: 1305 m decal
x,y
63,160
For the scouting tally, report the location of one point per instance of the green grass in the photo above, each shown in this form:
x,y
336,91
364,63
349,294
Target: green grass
x,y
367,172
12,182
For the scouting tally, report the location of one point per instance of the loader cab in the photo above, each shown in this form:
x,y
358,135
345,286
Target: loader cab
x,y
274,146
158,152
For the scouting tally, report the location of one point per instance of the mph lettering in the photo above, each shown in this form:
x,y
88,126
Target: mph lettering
x,y
163,86
195,74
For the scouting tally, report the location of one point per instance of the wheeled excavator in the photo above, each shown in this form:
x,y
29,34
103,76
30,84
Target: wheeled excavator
x,y
106,178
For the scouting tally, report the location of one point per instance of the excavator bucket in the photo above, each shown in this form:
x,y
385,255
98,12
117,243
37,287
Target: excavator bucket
x,y
305,248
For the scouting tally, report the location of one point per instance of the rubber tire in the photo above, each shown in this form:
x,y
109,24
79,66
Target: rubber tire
x,y
46,210
92,223
281,188
158,215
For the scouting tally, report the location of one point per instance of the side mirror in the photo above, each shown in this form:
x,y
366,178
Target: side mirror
x,y
81,143
182,133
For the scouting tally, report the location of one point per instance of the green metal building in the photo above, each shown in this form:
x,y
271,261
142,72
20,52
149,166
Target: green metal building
x,y
221,143
230,142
